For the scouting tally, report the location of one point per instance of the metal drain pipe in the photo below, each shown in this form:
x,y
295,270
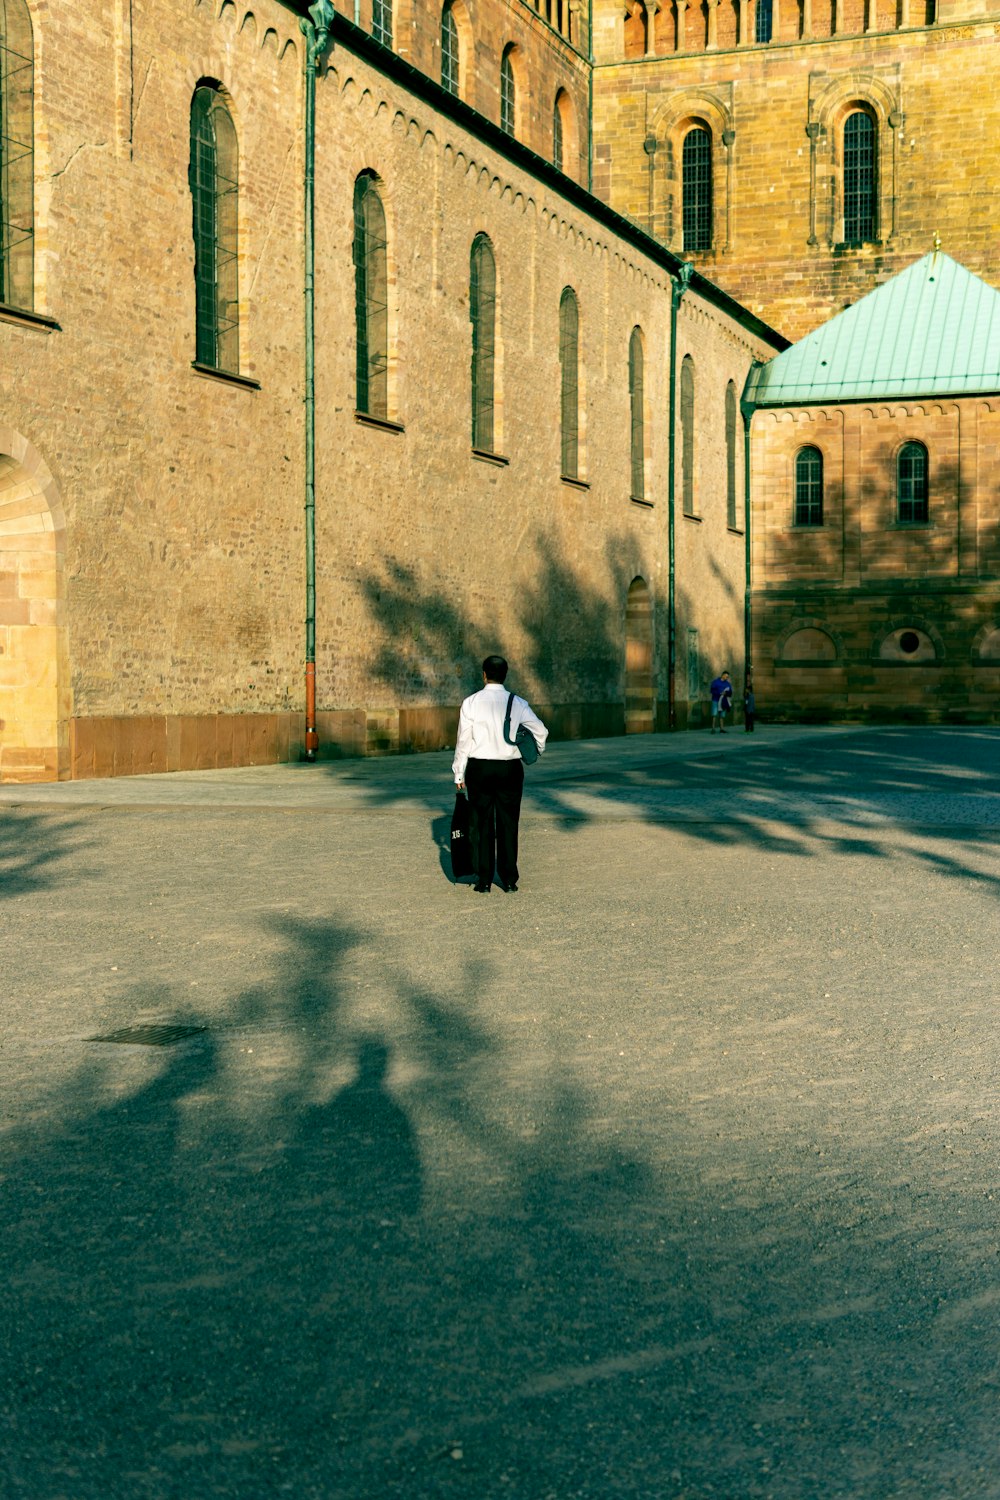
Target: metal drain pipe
x,y
316,30
677,289
747,408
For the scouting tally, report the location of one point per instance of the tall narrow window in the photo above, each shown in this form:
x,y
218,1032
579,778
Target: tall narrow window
x,y
687,435
382,21
569,367
17,177
483,313
911,483
215,202
859,178
449,51
557,136
638,413
507,93
371,299
763,20
809,487
731,516
696,189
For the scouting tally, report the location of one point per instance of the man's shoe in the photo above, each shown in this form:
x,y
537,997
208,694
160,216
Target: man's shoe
x,y
510,889
483,890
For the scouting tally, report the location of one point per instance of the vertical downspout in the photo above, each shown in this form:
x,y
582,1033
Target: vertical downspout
x,y
747,406
317,33
677,289
590,96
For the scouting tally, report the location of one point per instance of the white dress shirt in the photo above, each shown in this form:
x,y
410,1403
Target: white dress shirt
x,y
480,728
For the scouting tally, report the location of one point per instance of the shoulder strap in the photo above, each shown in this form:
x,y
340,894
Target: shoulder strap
x,y
506,722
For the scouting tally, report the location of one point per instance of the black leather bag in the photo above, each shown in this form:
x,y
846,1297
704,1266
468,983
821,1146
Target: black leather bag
x,y
461,839
524,739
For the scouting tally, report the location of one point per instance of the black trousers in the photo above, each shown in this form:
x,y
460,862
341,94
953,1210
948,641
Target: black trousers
x,y
495,788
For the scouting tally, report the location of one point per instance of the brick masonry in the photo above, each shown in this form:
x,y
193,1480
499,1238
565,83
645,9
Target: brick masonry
x,y
833,603
776,115
167,504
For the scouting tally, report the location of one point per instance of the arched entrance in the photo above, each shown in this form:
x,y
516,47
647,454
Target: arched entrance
x,y
34,721
639,705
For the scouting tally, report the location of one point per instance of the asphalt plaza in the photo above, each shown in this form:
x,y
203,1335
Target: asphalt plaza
x,y
673,1175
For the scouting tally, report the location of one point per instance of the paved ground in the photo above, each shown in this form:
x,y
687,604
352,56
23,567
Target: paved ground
x,y
673,1176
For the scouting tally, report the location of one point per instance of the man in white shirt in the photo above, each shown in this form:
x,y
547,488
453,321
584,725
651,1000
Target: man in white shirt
x,y
491,772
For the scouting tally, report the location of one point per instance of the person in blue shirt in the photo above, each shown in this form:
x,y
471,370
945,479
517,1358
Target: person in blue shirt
x,y
722,701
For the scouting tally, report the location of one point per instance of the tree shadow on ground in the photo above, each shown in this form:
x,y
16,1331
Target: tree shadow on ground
x,y
32,848
329,1252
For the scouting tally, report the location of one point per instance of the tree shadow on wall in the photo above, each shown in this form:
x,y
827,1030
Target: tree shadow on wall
x,y
575,650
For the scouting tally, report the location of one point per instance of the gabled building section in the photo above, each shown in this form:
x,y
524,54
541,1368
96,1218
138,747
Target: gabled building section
x,y
876,515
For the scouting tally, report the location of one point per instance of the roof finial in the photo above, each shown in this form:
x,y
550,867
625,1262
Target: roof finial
x,y
937,242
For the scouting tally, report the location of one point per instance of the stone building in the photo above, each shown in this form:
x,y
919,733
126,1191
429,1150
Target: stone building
x,y
209,502
800,152
875,446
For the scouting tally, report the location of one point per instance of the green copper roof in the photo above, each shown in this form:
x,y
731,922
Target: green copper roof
x,y
933,330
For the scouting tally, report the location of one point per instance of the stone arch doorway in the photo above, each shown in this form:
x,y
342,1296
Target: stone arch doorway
x,y
639,697
34,711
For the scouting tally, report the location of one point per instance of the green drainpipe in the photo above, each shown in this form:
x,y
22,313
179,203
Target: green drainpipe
x,y
747,407
317,34
677,290
590,97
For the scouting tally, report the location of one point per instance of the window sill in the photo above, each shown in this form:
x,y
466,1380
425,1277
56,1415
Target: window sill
x,y
225,376
806,526
490,458
574,484
735,530
365,419
638,500
23,319
912,526
690,516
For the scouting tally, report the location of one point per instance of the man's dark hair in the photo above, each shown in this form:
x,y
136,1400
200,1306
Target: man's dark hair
x,y
495,669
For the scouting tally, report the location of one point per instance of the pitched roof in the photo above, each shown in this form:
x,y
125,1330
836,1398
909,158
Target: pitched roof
x,y
932,330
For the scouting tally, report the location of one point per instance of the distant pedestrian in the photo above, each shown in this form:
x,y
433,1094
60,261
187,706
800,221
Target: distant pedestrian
x,y
489,767
749,708
722,701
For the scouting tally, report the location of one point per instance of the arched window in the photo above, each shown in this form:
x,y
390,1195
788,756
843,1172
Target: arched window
x,y
17,177
507,92
687,435
809,487
371,299
638,413
860,185
763,20
214,177
483,313
569,367
696,189
731,516
449,51
911,483
382,21
557,136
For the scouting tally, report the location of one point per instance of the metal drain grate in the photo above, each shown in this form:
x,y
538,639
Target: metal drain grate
x,y
150,1035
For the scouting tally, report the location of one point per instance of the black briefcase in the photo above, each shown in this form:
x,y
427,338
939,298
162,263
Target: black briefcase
x,y
461,840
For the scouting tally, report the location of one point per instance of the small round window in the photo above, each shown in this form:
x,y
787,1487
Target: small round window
x,y
909,642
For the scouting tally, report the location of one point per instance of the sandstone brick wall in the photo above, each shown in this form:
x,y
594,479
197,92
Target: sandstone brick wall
x,y
776,115
168,503
833,603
